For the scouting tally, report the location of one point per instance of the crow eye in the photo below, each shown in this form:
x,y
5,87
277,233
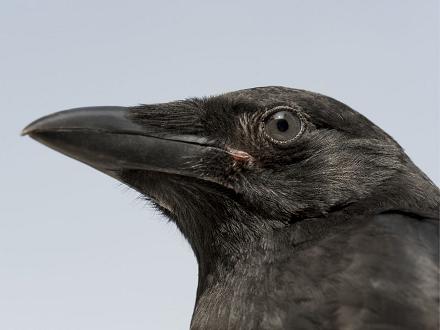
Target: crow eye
x,y
283,125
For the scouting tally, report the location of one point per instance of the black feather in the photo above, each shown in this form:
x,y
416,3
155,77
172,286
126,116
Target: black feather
x,y
337,231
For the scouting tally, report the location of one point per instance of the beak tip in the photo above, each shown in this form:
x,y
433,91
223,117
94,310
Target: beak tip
x,y
28,130
25,131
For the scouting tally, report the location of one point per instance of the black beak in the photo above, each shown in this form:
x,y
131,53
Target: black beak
x,y
106,139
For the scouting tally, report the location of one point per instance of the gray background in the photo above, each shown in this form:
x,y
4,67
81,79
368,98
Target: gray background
x,y
78,250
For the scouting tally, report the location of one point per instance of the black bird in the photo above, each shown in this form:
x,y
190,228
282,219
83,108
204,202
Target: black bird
x,y
302,213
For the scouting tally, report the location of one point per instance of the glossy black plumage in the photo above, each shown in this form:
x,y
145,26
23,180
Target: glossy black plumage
x,y
378,272
336,229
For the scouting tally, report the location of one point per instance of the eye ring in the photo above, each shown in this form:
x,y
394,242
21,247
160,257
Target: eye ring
x,y
292,110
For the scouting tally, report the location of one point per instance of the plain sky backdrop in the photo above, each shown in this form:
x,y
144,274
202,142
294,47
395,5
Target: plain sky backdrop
x,y
80,251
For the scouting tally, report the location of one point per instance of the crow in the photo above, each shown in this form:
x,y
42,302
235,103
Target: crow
x,y
301,212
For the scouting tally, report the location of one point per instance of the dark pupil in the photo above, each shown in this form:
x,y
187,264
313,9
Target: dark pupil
x,y
282,125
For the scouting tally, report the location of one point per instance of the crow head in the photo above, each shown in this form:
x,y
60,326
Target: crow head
x,y
235,169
